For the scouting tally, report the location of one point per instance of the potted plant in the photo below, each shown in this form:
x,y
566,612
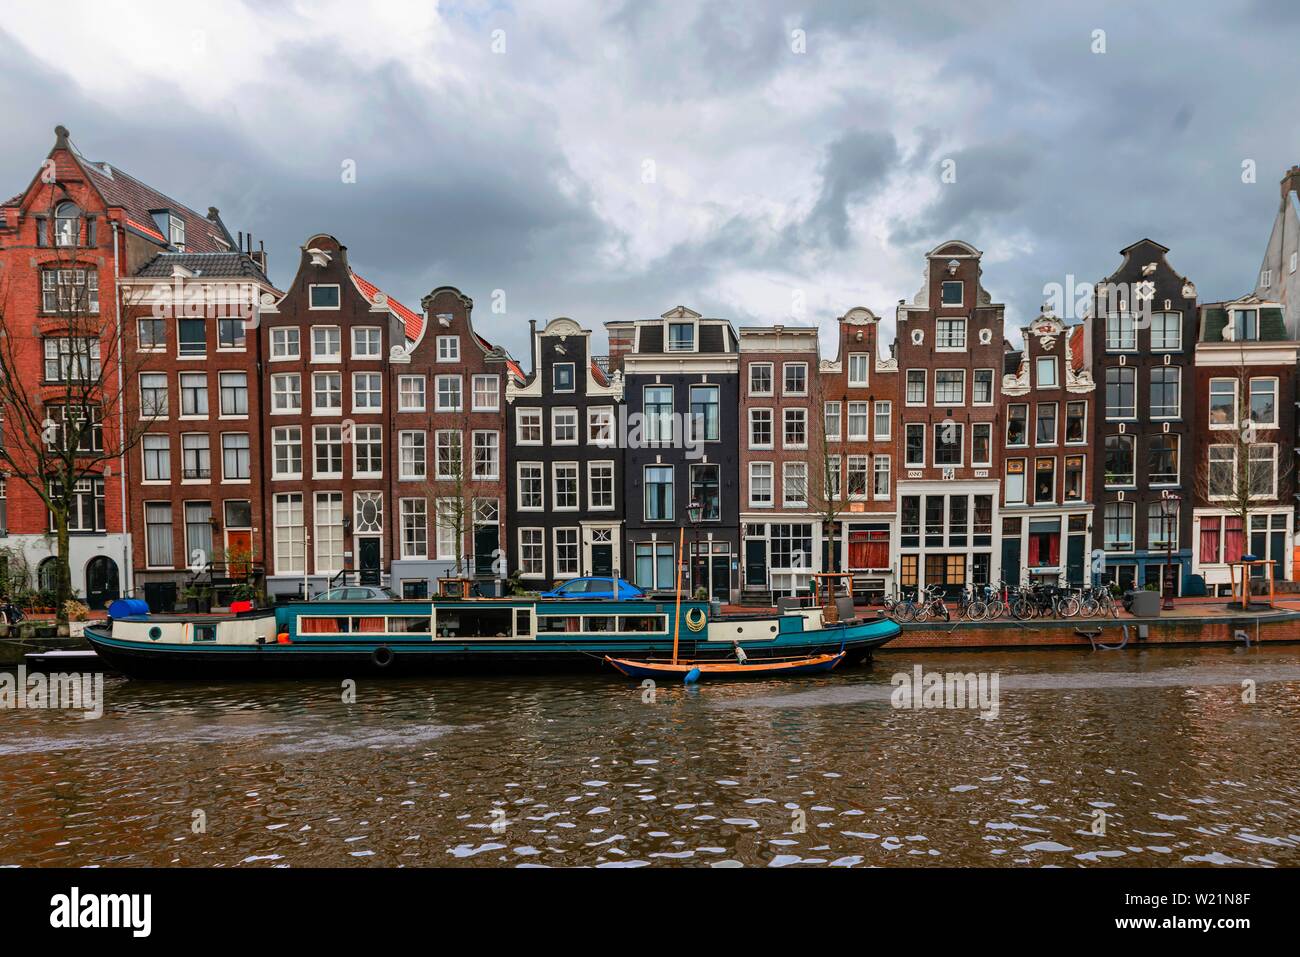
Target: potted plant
x,y
198,597
77,613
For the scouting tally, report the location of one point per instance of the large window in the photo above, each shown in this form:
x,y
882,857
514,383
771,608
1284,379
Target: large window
x,y
234,393
326,343
884,420
1162,525
528,426
1263,402
1121,334
794,484
982,387
415,527
367,451
1166,332
1117,527
1162,459
1045,424
487,393
566,552
532,552
1074,480
681,337
600,485
449,393
659,493
858,421
327,392
1015,482
915,387
194,394
795,381
1166,389
950,334
564,486
487,455
72,360
706,491
367,392
1121,392
290,537
564,426
1045,372
410,393
791,545
880,476
760,378
949,386
914,444
196,457
831,419
153,395
1044,480
1223,403
1076,422
158,534
658,400
70,291
949,437
531,492
859,365
655,563
327,447
286,449
286,393
1018,425
1120,460
1221,465
706,412
1262,473
328,533
448,455
411,458
235,462
857,476
157,451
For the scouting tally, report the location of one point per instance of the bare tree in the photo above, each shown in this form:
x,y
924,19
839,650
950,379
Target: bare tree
x,y
65,425
452,492
828,491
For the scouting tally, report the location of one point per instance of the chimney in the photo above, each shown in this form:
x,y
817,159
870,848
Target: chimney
x,y
621,341
1291,182
259,255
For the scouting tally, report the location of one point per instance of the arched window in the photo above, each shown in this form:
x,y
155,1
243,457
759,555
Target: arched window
x,y
47,575
67,224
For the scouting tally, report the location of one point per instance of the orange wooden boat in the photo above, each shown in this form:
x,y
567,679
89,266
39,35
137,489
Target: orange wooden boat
x,y
761,668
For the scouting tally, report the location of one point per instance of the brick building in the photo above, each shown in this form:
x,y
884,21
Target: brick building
x,y
1143,338
1242,467
449,385
566,468
66,241
858,393
195,505
781,459
1046,510
950,355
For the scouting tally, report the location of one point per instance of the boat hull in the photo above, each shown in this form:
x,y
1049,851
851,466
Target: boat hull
x,y
714,670
292,641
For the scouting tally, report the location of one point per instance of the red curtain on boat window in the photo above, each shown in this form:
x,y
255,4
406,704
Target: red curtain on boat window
x,y
1233,539
1210,540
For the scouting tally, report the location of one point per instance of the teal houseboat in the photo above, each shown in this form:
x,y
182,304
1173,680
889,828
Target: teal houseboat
x,y
403,636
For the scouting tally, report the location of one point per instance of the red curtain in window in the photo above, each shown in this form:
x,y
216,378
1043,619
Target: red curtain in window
x,y
1054,550
1233,539
1210,540
1033,552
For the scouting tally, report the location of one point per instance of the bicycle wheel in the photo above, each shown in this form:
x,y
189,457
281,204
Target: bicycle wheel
x,y
996,609
1022,609
1088,607
1067,607
905,611
977,610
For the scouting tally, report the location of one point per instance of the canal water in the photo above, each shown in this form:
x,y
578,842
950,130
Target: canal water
x,y
1094,759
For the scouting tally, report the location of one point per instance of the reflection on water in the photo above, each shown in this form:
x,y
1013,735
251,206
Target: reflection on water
x,y
578,770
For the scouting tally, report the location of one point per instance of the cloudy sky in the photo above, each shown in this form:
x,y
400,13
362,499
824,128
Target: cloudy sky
x,y
764,162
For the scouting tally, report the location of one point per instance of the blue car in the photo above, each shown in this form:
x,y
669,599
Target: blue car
x,y
591,588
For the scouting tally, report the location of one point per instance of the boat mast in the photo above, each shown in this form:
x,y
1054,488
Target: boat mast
x,y
677,618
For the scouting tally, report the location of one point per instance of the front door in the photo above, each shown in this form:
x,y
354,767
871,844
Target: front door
x,y
101,582
368,560
602,560
1011,560
485,550
756,563
1074,560
721,577
239,551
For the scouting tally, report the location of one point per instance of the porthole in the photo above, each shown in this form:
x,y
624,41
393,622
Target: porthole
x,y
155,633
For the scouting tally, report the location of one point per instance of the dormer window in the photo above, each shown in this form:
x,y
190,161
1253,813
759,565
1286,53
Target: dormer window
x,y
681,337
562,379
67,224
175,230
1245,324
951,294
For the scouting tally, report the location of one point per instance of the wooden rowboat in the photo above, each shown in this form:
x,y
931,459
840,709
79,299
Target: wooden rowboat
x,y
762,668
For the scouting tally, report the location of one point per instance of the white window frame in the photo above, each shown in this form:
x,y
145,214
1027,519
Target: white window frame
x,y
754,468
530,416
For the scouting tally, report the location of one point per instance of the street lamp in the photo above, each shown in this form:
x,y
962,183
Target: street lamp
x,y
694,512
1169,508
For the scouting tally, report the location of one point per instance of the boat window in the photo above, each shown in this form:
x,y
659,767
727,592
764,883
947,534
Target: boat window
x,y
523,622
599,622
205,632
323,626
374,625
409,624
642,623
474,622
558,624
